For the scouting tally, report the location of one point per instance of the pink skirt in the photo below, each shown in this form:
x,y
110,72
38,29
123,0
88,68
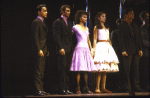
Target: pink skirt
x,y
105,58
82,60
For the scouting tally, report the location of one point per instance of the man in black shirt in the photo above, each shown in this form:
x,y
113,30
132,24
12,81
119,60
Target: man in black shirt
x,y
130,46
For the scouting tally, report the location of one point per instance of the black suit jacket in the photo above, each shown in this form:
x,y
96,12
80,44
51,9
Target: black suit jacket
x,y
129,41
144,35
62,35
39,33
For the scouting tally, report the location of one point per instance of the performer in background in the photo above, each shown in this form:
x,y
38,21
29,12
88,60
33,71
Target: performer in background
x,y
39,31
131,50
105,58
114,40
144,60
115,45
62,31
82,60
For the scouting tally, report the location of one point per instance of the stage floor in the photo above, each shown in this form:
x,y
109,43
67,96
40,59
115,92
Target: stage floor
x,y
137,94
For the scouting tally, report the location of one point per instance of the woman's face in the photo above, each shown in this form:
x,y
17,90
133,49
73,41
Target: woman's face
x,y
83,18
102,18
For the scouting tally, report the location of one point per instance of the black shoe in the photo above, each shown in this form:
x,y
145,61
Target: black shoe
x,y
125,91
131,93
147,89
118,89
138,90
68,92
63,92
40,93
45,93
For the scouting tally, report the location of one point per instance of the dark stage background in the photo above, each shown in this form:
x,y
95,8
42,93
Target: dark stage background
x,y
16,54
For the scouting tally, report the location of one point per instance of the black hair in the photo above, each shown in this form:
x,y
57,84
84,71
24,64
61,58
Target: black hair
x,y
118,21
127,10
78,14
97,23
63,8
39,7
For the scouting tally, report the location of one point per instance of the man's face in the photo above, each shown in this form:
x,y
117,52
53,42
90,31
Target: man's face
x,y
66,13
43,12
130,15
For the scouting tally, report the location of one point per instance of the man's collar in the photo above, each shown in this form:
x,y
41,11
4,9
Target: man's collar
x,y
41,18
63,17
131,23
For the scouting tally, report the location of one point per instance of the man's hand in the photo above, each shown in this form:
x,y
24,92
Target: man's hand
x,y
62,52
140,53
40,53
47,53
124,53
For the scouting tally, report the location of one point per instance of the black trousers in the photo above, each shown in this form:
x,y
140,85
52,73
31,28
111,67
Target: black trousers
x,y
144,72
39,72
64,62
130,72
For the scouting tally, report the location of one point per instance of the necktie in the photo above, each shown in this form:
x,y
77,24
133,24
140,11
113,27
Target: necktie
x,y
66,22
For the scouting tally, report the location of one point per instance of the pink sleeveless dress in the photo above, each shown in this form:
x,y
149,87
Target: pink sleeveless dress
x,y
82,59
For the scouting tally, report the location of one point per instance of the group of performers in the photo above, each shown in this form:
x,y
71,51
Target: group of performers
x,y
101,59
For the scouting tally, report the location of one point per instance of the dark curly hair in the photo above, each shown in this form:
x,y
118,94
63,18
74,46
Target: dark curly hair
x,y
78,14
97,23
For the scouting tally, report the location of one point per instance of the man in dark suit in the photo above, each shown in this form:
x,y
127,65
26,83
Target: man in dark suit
x,y
131,50
62,31
144,60
39,31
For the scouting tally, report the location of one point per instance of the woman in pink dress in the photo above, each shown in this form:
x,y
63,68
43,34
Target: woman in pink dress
x,y
105,58
82,60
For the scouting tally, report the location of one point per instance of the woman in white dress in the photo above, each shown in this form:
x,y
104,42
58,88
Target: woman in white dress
x,y
105,58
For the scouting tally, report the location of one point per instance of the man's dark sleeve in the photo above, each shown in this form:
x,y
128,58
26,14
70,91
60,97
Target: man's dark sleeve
x,y
35,33
121,38
144,42
139,37
57,34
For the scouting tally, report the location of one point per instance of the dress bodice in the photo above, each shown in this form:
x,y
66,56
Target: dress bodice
x,y
103,34
81,37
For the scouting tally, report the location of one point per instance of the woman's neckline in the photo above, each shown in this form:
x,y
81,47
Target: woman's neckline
x,y
80,29
102,29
